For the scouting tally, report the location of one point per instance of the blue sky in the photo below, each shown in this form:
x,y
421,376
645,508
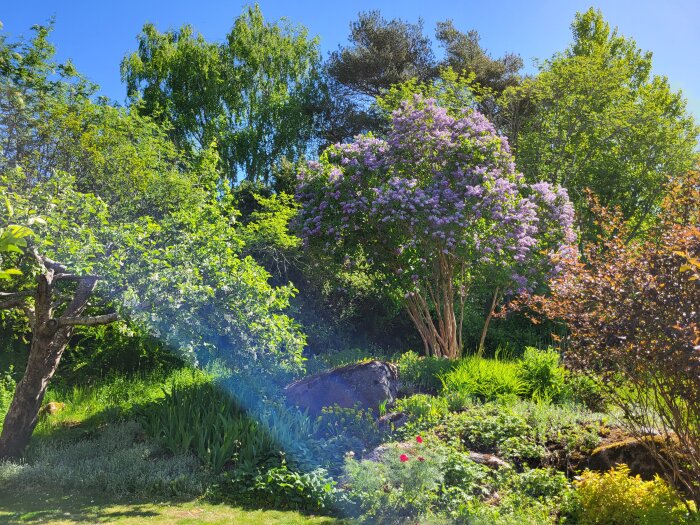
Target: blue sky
x,y
96,35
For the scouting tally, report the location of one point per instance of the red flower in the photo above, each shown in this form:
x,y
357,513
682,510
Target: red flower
x,y
421,458
403,458
419,439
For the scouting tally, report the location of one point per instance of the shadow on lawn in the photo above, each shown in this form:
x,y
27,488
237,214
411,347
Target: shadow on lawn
x,y
33,507
40,507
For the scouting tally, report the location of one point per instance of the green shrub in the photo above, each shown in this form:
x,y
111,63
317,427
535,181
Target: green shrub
x,y
587,391
117,461
522,449
542,484
472,479
543,376
404,484
422,407
616,498
339,430
279,487
483,427
484,379
422,374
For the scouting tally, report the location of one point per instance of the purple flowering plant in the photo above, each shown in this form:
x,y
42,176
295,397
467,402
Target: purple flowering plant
x,y
432,206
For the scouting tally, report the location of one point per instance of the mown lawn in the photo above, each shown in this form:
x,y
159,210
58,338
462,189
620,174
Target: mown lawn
x,y
20,507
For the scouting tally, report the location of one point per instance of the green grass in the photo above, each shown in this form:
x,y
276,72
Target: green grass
x,y
87,407
52,508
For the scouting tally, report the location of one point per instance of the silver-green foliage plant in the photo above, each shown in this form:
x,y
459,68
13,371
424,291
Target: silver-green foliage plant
x,y
118,462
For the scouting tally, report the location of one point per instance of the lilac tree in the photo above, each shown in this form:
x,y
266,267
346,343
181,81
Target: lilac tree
x,y
432,207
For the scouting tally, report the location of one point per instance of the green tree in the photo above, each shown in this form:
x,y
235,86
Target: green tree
x,y
601,121
464,54
55,294
172,263
252,95
49,122
382,53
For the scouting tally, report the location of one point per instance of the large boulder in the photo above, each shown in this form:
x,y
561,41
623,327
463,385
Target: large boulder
x,y
630,451
365,384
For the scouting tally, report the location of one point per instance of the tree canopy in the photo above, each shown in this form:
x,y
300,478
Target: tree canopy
x,y
432,207
252,95
601,122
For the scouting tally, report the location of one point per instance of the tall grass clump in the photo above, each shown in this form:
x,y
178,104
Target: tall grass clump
x,y
543,375
113,399
204,420
475,377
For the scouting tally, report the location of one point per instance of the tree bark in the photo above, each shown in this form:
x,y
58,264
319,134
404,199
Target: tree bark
x,y
44,356
440,337
50,337
480,352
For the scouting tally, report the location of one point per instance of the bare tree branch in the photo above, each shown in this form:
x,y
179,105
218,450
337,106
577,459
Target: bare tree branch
x,y
47,263
13,295
74,277
88,321
54,265
17,302
81,296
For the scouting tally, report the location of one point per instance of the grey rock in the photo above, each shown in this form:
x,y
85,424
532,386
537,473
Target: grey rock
x,y
488,460
365,384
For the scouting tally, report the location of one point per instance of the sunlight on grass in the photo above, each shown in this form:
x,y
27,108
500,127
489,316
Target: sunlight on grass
x,y
54,509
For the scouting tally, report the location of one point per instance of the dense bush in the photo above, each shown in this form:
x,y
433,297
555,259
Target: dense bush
x,y
421,374
339,430
616,498
586,390
545,485
433,482
422,407
405,483
118,349
484,427
543,376
633,318
279,487
524,432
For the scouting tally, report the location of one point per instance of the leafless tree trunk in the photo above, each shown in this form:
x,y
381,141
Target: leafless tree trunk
x,y
50,336
441,336
489,316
